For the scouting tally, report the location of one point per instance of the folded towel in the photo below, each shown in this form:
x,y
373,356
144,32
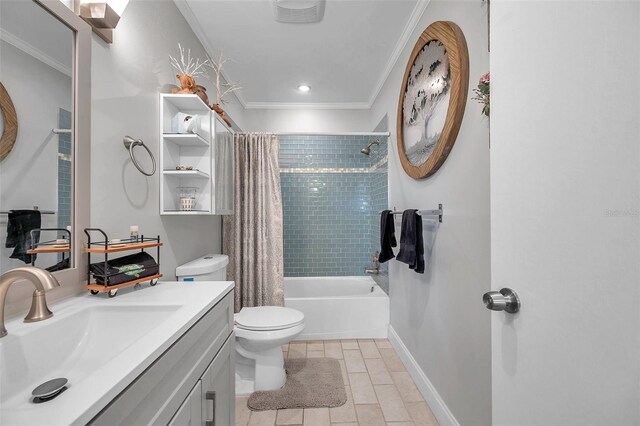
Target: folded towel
x,y
387,236
411,243
123,269
19,226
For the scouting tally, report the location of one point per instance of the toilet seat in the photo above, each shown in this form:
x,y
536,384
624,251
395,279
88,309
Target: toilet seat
x,y
268,318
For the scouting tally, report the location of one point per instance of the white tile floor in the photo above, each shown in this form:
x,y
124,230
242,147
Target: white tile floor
x,y
379,389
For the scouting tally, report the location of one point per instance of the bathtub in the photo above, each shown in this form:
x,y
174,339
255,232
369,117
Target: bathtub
x,y
338,307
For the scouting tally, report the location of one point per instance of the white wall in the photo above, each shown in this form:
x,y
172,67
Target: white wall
x,y
307,120
565,203
439,316
29,174
126,78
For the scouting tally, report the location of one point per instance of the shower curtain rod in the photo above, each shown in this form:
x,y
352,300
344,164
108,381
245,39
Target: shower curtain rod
x,y
332,134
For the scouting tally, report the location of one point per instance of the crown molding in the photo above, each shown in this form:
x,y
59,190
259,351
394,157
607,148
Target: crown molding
x,y
33,51
408,30
193,22
296,105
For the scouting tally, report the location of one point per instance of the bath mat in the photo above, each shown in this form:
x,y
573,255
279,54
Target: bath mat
x,y
311,383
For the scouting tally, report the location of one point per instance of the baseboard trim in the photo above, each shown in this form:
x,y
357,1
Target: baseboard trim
x,y
428,391
375,333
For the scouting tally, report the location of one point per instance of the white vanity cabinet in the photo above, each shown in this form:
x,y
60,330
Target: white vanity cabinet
x,y
191,383
211,402
218,388
208,151
190,412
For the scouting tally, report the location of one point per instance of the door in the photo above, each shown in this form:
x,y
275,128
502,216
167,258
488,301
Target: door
x,y
565,229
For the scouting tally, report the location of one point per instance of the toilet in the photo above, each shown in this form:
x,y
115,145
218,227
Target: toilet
x,y
260,331
260,334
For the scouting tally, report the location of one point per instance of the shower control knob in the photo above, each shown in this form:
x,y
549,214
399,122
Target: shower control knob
x,y
504,300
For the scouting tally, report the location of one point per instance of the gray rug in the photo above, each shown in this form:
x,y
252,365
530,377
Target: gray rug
x,y
311,383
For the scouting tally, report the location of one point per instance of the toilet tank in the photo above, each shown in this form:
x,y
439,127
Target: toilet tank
x,y
211,267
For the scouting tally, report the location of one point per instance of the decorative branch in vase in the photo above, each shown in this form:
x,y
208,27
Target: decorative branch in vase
x,y
483,93
222,89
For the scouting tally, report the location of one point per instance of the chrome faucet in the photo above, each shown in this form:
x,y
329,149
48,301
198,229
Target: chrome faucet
x,y
376,265
41,279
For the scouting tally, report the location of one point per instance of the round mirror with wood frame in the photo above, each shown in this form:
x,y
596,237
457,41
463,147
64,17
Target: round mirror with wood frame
x,y
427,125
9,123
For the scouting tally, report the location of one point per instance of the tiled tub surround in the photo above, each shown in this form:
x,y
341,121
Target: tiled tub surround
x,y
331,197
379,201
64,170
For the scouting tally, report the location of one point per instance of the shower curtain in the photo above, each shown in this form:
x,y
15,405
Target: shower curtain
x,y
253,235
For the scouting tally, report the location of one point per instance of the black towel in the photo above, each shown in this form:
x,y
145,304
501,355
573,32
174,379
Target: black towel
x,y
127,268
63,264
411,243
19,227
387,236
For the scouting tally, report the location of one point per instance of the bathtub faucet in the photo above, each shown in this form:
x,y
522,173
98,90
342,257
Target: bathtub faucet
x,y
376,265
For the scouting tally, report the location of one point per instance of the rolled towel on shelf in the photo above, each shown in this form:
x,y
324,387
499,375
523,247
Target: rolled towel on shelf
x,y
126,268
411,243
387,236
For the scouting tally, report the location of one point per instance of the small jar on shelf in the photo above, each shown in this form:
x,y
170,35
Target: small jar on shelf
x,y
188,196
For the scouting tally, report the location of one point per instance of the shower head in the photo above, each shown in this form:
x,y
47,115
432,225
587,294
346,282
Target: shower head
x,y
367,149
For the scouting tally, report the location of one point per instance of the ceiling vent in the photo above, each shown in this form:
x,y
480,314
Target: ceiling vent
x,y
299,11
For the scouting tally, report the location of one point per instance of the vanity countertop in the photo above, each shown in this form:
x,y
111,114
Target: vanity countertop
x,y
100,345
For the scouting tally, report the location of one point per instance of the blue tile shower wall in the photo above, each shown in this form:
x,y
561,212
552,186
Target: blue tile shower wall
x,y
64,170
379,201
323,151
330,208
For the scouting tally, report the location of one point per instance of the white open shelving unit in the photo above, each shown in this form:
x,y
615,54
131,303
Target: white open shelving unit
x,y
209,152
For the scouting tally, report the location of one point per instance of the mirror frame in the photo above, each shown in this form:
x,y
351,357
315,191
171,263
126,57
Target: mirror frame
x,y
9,123
71,280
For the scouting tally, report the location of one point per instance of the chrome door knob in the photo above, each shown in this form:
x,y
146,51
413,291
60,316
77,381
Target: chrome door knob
x,y
504,300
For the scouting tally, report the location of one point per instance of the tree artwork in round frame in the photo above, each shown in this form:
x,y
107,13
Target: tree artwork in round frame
x,y
9,119
433,96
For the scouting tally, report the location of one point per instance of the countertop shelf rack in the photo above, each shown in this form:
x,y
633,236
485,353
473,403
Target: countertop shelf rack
x,y
107,247
436,212
52,246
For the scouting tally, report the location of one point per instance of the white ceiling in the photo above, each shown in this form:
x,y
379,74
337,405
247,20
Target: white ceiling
x,y
32,29
345,59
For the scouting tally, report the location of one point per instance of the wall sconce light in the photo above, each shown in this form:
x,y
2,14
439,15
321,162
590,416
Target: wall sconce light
x,y
103,16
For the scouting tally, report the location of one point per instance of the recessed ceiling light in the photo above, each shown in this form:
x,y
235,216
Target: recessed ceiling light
x,y
304,88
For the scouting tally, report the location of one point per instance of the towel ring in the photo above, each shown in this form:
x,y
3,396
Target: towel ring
x,y
129,144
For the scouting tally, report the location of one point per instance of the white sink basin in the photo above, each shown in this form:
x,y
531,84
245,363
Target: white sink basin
x,y
100,345
71,346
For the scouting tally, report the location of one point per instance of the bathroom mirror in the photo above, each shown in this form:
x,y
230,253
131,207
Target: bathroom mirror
x,y
36,184
44,193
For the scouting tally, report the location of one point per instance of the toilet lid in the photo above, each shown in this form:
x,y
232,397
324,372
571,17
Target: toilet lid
x,y
268,318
